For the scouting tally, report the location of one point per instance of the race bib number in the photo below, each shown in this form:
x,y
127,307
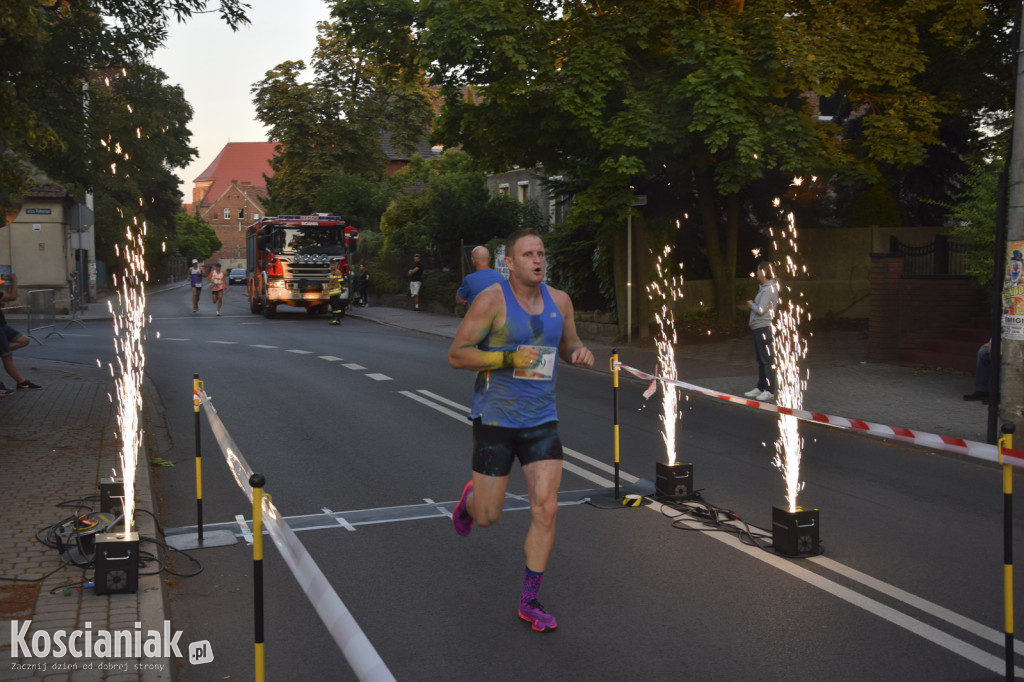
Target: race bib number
x,y
544,370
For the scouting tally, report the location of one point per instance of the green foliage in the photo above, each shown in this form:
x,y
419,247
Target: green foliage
x,y
193,237
660,94
976,211
48,49
336,123
359,200
145,135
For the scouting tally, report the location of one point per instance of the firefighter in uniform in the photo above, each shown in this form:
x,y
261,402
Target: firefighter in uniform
x,y
334,289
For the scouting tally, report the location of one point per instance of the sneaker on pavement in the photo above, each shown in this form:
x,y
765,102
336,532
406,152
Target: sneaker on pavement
x,y
4,391
28,386
753,393
540,620
461,519
765,396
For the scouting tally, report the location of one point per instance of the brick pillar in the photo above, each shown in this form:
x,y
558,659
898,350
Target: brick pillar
x,y
884,315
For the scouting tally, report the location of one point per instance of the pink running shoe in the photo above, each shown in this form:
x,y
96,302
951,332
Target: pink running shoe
x,y
461,519
540,620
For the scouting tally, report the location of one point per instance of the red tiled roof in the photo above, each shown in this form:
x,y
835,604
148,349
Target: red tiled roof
x,y
238,161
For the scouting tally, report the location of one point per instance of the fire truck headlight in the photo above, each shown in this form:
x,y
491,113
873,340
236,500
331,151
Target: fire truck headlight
x,y
277,284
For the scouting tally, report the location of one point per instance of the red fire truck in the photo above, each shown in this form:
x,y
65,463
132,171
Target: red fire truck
x,y
288,261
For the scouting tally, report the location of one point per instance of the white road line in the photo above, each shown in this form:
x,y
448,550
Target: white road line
x,y
329,358
463,416
951,617
337,517
379,377
226,343
246,533
442,399
601,466
913,625
352,365
172,338
260,345
299,352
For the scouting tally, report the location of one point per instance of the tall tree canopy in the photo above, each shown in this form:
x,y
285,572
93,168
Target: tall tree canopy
x,y
338,121
48,48
144,135
693,99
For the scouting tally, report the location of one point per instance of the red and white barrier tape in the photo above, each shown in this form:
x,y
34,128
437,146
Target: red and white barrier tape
x,y
358,651
930,440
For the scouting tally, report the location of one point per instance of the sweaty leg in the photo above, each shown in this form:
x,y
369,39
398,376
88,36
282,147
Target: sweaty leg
x,y
542,480
487,500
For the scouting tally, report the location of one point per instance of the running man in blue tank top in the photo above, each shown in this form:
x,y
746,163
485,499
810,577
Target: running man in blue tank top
x,y
512,336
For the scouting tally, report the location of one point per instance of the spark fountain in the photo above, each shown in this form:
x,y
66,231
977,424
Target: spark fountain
x,y
117,565
794,530
672,480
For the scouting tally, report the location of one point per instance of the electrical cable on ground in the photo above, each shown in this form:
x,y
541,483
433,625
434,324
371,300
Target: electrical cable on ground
x,y
714,519
48,536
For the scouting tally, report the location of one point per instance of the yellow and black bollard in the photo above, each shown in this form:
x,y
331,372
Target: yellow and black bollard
x,y
615,415
197,386
257,481
1006,442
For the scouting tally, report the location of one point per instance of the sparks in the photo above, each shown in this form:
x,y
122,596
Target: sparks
x,y
789,350
668,290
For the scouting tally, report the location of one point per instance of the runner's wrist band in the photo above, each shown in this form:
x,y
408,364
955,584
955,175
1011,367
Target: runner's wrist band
x,y
507,358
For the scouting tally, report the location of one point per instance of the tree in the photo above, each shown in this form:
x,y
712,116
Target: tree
x,y
452,206
976,210
695,100
144,122
193,237
337,121
47,50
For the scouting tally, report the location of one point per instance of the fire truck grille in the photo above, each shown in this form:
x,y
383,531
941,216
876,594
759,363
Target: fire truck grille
x,y
312,270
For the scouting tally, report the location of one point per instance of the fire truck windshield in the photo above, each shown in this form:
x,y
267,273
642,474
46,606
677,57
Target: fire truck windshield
x,y
310,240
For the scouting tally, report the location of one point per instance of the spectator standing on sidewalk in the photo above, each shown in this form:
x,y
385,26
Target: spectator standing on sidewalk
x,y
11,340
512,337
478,280
195,277
415,280
762,310
217,284
981,370
363,281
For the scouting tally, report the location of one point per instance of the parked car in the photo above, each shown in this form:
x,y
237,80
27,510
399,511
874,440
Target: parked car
x,y
236,275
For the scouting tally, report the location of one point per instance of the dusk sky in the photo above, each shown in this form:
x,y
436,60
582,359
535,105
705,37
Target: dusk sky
x,y
217,67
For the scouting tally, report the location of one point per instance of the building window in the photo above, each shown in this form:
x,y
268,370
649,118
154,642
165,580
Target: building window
x,y
241,213
524,191
503,189
255,216
227,214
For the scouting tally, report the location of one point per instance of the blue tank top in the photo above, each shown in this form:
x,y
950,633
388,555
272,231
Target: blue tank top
x,y
516,398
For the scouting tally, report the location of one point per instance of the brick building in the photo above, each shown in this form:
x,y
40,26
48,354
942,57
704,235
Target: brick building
x,y
229,195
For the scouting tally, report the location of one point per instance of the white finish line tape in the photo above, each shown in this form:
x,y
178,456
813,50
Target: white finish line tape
x,y
948,443
353,643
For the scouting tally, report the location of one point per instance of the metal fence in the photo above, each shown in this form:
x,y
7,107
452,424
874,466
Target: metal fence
x,y
942,257
41,314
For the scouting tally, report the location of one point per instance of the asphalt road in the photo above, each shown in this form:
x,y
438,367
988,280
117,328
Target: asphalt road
x,y
363,416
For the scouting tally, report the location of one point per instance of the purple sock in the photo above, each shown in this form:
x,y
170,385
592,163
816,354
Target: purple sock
x,y
531,586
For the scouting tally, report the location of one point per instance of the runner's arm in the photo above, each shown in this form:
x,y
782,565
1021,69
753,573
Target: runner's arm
x,y
570,348
476,325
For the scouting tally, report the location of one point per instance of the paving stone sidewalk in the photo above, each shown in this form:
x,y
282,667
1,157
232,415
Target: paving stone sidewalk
x,y
55,445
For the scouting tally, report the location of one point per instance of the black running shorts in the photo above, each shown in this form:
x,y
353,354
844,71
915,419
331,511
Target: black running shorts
x,y
495,447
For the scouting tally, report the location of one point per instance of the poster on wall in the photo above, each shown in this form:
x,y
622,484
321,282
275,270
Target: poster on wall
x,y
1013,292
